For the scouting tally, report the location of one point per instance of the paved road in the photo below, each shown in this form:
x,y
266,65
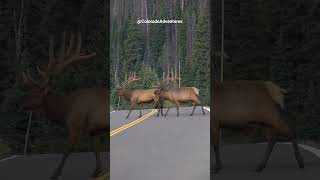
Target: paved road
x,y
168,148
161,148
239,162
177,149
79,166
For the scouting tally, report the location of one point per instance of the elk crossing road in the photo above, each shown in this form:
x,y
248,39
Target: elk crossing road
x,y
161,147
177,148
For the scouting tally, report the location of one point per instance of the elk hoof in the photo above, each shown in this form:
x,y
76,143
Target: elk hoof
x,y
191,114
55,176
260,168
301,164
215,170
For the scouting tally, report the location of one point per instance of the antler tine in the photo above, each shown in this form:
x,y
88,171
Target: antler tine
x,y
51,53
132,78
69,56
135,76
79,44
71,44
29,80
62,47
175,73
26,80
41,72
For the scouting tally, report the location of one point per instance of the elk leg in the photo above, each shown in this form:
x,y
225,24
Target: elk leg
x,y
157,106
286,131
140,110
199,103
161,108
97,145
194,107
158,112
216,148
167,111
297,153
271,142
72,142
132,106
203,112
178,113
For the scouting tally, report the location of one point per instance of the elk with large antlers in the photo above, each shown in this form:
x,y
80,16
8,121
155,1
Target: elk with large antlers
x,y
136,97
176,95
246,104
83,110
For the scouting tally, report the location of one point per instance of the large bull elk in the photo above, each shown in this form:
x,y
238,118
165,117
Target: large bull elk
x,y
243,104
136,97
82,110
176,95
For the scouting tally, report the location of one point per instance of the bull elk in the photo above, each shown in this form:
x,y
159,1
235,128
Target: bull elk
x,y
82,110
136,97
246,104
176,95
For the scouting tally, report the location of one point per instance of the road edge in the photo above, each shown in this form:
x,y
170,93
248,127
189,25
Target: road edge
x,y
313,150
8,158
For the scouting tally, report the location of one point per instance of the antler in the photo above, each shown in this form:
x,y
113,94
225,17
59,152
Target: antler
x,y
57,64
132,77
170,77
66,56
29,81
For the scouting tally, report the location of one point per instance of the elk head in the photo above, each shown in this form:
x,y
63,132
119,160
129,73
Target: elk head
x,y
121,90
39,89
168,81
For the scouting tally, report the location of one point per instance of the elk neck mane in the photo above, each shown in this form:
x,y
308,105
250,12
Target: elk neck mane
x,y
127,94
56,107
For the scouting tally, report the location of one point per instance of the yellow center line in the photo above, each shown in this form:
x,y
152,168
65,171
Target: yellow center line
x,y
135,122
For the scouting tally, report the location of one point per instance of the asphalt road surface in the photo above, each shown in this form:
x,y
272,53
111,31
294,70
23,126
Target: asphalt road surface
x,y
240,161
167,148
177,149
79,166
161,148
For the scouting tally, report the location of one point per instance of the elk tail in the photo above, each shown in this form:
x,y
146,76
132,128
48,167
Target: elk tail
x,y
277,93
196,90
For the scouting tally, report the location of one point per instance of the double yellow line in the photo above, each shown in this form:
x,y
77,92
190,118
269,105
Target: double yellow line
x,y
135,122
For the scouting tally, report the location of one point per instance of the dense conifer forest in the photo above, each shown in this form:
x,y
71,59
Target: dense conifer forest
x,y
25,30
148,49
278,41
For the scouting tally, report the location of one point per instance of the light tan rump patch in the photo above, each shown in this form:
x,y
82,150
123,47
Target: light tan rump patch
x,y
276,92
